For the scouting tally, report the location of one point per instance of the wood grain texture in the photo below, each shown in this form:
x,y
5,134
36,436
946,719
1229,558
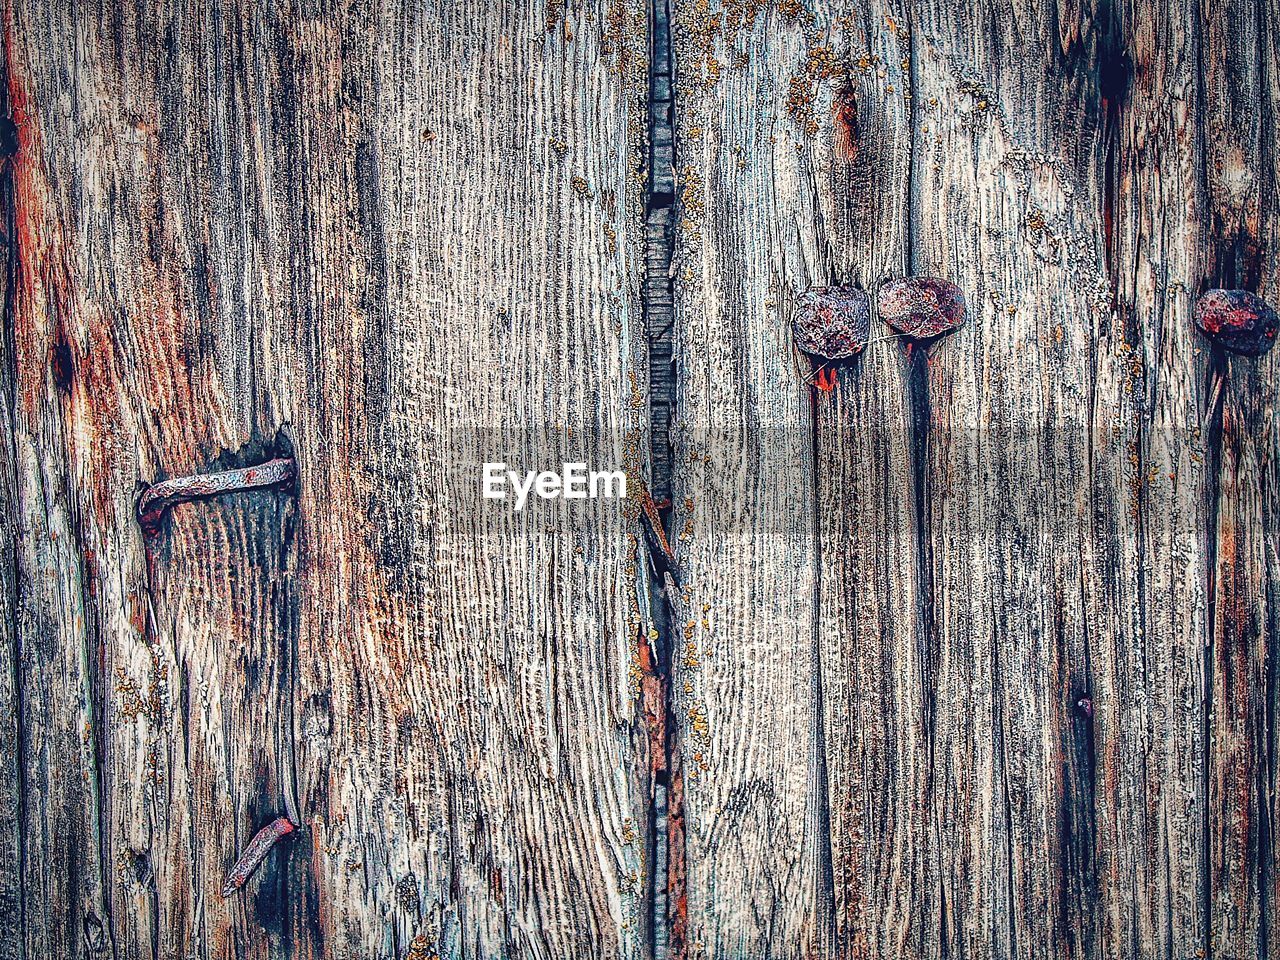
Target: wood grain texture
x,y
973,656
1240,177
745,703
400,242
875,699
1004,204
1153,634
1032,500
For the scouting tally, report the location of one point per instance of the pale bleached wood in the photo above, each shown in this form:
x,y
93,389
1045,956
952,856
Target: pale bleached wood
x,y
407,238
1005,201
874,661
746,648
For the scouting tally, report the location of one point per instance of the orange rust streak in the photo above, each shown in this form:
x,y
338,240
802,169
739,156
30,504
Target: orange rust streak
x,y
676,873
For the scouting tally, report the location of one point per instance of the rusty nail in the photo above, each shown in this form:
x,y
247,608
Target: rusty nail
x,y
255,853
921,307
653,531
832,323
1237,320
161,496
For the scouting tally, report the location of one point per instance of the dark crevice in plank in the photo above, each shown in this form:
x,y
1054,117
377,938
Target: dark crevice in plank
x,y
918,397
1213,441
665,884
658,307
826,879
1115,73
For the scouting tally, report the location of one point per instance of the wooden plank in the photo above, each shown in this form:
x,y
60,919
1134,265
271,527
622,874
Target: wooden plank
x,y
1152,495
875,699
1240,174
1268,454
11,816
410,244
1005,196
746,649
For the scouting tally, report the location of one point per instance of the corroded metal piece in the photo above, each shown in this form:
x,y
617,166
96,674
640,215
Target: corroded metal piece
x,y
832,323
651,521
1239,321
255,853
161,496
921,307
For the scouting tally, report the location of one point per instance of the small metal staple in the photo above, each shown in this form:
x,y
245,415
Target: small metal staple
x,y
161,496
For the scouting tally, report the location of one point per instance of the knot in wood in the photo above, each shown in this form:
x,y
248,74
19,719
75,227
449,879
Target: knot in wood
x,y
1237,320
921,307
832,322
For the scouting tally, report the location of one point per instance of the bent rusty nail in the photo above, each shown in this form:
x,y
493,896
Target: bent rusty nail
x,y
1238,321
654,533
161,496
255,853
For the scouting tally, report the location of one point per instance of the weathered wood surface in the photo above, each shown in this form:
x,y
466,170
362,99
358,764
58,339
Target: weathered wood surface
x,y
1043,595
973,656
398,242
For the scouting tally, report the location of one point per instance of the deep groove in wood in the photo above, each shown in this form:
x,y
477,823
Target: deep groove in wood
x,y
666,883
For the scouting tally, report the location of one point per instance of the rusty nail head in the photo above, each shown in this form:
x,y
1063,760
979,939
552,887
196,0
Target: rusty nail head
x,y
1238,321
832,323
921,307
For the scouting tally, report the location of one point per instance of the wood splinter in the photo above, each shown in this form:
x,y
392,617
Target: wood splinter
x,y
255,853
161,496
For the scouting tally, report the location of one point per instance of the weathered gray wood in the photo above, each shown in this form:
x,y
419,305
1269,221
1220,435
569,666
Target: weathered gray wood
x,y
874,695
1005,192
1152,629
973,655
407,240
747,657
11,816
1053,658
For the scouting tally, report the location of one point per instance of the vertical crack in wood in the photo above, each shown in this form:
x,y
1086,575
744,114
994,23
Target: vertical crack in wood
x,y
666,895
826,855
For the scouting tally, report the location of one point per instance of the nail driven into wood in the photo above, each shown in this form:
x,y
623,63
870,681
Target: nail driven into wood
x,y
161,496
1238,321
651,520
255,853
831,325
921,307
